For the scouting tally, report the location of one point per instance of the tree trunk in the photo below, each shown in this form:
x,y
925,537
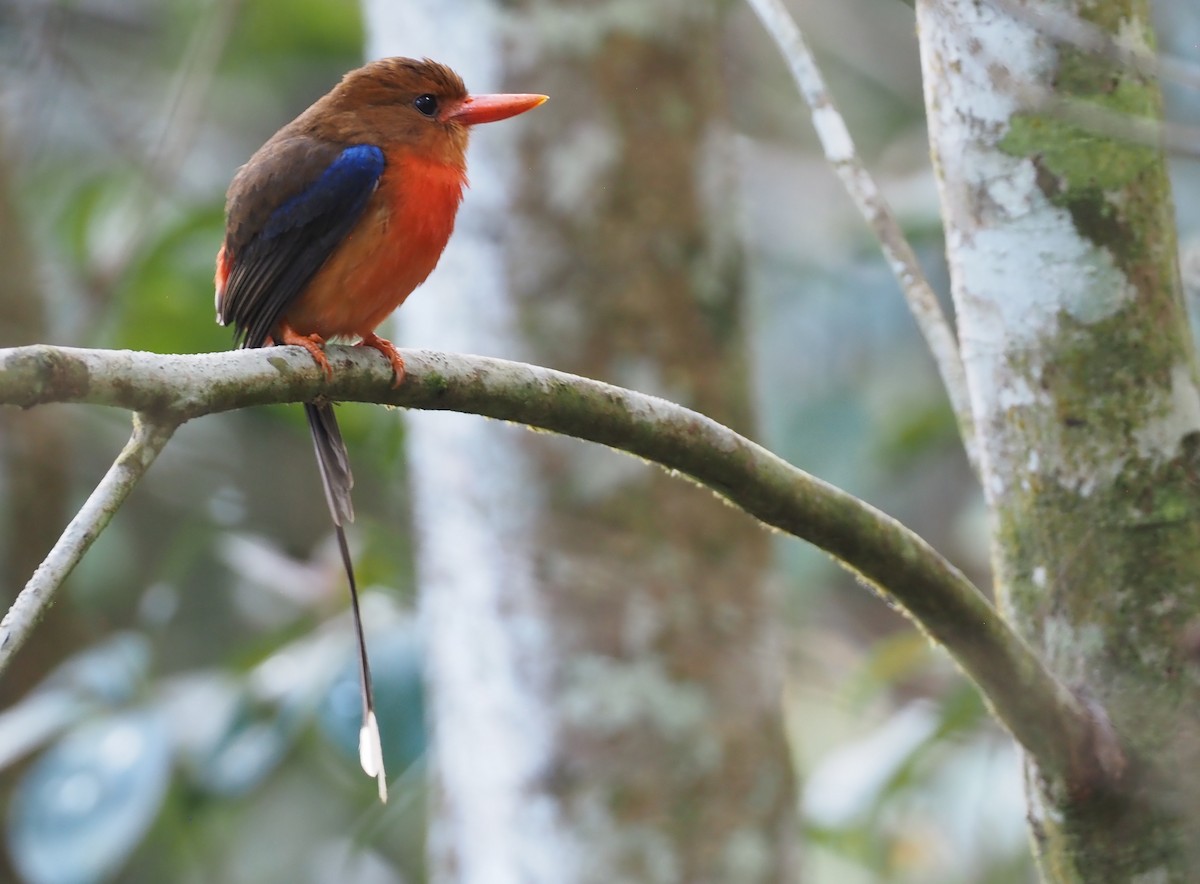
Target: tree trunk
x,y
603,649
1083,386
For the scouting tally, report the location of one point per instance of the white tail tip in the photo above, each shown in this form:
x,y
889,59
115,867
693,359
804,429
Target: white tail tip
x,y
370,754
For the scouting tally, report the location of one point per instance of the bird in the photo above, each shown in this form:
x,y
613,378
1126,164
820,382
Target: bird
x,y
330,226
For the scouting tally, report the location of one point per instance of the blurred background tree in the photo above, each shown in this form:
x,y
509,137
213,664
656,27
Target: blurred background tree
x,y
627,683
189,712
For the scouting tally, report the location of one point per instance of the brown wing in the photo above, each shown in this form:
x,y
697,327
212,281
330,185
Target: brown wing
x,y
287,210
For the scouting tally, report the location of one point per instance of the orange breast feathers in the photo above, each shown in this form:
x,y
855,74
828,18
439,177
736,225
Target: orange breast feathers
x,y
390,251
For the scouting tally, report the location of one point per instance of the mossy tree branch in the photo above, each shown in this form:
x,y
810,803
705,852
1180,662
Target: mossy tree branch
x,y
1064,734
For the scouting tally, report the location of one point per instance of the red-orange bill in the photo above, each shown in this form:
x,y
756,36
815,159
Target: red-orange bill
x,y
490,108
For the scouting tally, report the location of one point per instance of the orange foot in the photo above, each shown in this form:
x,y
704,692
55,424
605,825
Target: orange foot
x,y
388,349
314,344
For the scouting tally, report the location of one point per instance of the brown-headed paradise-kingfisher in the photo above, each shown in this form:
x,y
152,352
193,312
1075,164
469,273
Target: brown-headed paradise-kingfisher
x,y
330,226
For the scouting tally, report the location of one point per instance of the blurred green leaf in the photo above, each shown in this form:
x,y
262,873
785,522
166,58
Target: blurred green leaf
x,y
113,671
249,750
85,805
166,302
34,720
847,787
396,671
891,660
274,29
80,208
107,674
914,433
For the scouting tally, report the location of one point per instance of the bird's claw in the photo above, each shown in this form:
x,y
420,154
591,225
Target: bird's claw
x,y
314,344
388,349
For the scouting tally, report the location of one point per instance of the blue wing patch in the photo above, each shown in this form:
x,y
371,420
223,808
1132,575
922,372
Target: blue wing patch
x,y
343,188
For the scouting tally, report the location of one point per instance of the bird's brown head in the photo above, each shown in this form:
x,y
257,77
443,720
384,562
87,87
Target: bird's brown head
x,y
417,105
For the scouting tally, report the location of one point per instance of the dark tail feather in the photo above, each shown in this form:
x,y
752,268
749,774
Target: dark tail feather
x,y
334,463
333,460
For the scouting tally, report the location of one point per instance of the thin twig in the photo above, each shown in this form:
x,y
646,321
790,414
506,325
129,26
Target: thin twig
x,y
149,437
842,155
185,105
1041,713
1062,27
1175,138
182,114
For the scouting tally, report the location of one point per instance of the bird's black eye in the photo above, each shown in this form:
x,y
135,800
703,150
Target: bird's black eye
x,y
426,104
